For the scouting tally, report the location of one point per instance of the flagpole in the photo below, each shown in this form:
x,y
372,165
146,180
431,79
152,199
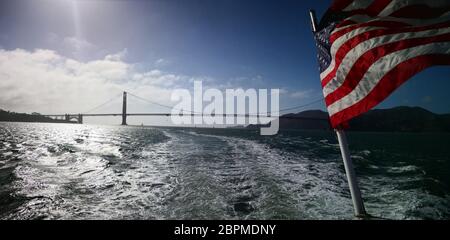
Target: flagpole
x,y
355,192
358,203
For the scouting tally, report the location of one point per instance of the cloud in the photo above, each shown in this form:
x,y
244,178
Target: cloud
x,y
118,56
47,82
245,82
78,47
44,81
162,62
77,43
73,46
301,94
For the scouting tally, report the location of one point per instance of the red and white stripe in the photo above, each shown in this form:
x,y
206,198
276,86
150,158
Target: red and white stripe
x,y
378,47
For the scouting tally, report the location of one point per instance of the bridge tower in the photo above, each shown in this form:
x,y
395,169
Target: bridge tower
x,y
124,109
80,118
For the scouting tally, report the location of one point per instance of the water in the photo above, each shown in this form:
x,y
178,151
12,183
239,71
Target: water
x,y
63,171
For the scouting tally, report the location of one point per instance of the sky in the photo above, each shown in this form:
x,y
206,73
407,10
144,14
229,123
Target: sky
x,y
68,56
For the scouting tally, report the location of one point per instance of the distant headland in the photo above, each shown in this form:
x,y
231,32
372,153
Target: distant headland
x,y
398,119
7,116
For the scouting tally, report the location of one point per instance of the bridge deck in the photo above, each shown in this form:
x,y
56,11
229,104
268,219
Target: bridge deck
x,y
187,114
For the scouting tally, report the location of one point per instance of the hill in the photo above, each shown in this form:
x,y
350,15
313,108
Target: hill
x,y
7,116
399,119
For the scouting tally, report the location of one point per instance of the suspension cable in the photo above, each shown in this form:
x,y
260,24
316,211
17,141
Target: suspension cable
x,y
162,105
103,104
303,106
268,113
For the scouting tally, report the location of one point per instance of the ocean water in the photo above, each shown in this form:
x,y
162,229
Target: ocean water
x,y
67,171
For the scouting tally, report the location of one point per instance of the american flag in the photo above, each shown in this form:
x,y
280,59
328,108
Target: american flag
x,y
368,48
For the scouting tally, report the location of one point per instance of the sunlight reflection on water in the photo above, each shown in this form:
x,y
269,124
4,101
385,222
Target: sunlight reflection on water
x,y
63,171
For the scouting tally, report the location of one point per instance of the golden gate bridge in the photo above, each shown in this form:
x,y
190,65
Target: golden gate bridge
x,y
124,114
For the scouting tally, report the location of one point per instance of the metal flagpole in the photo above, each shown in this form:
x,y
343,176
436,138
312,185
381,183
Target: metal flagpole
x,y
358,203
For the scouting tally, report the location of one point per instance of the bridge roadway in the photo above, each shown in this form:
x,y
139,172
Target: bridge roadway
x,y
183,114
153,114
124,114
79,117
